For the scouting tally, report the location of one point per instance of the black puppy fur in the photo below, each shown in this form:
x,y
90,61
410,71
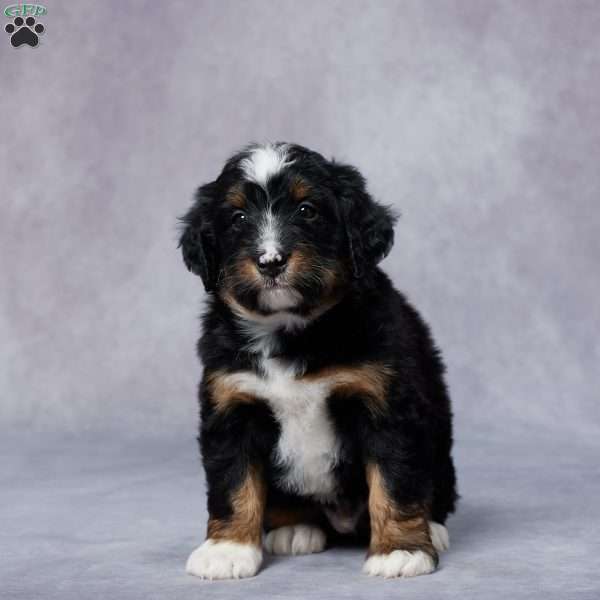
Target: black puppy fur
x,y
397,426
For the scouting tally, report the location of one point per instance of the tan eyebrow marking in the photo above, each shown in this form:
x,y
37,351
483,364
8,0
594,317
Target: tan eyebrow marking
x,y
236,197
299,189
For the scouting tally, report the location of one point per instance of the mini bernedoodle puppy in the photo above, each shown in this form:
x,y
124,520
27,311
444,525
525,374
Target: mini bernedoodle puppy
x,y
324,412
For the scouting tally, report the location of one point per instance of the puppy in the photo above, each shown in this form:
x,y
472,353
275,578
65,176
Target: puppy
x,y
324,412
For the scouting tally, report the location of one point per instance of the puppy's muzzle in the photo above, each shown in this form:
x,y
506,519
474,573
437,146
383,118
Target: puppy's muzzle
x,y
272,265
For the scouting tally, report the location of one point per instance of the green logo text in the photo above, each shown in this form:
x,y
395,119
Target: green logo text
x,y
24,10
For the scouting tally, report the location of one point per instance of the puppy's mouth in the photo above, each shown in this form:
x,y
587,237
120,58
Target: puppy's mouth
x,y
270,282
277,295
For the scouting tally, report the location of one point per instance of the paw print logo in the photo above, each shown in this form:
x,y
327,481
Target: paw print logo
x,y
24,31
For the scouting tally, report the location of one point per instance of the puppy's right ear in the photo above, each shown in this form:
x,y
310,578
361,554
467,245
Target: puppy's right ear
x,y
198,241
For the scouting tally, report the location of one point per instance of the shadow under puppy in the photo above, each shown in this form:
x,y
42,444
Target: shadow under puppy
x,y
324,411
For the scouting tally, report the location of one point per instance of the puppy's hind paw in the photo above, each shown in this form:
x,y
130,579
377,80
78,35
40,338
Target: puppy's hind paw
x,y
399,563
220,559
439,536
295,539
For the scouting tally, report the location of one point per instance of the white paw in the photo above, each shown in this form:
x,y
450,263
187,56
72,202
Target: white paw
x,y
224,560
295,539
399,563
439,536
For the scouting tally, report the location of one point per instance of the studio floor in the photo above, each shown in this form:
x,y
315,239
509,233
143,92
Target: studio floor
x,y
102,517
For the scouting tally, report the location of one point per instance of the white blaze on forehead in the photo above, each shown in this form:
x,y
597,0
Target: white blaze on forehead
x,y
265,161
262,163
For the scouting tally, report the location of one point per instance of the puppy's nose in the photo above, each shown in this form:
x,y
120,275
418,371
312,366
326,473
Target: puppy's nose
x,y
272,263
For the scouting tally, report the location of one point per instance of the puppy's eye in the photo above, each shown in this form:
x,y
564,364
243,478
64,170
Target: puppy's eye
x,y
238,219
307,211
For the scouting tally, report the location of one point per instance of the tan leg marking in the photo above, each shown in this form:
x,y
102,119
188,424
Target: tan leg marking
x,y
394,528
248,505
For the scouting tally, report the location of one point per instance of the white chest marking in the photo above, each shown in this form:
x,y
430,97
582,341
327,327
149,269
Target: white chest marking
x,y
308,447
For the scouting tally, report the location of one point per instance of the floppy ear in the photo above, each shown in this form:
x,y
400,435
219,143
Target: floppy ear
x,y
369,225
198,241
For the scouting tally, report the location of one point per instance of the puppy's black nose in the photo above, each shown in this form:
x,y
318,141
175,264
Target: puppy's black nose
x,y
271,264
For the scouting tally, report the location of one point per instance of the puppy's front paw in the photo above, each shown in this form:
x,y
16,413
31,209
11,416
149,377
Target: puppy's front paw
x,y
295,539
399,563
224,560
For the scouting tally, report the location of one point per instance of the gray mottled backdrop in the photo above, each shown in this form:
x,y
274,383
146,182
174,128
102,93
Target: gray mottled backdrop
x,y
479,121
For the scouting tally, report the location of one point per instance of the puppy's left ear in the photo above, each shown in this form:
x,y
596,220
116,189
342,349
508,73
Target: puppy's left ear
x,y
369,225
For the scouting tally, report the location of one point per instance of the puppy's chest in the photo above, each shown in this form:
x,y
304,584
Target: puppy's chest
x,y
308,447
